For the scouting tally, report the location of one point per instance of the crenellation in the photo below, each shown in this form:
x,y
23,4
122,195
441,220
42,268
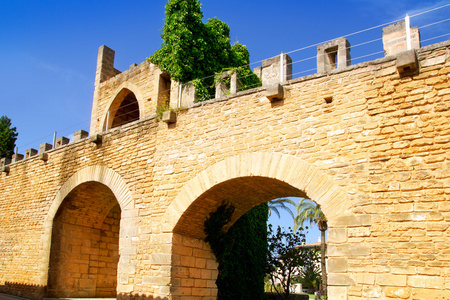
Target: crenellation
x,y
120,214
45,147
30,153
333,55
79,135
16,157
61,141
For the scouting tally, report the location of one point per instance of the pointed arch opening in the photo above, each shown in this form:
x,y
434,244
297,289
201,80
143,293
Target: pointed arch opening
x,y
123,110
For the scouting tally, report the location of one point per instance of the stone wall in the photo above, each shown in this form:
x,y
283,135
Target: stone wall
x,y
367,144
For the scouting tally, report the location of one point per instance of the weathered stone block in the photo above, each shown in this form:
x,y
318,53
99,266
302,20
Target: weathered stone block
x,y
340,279
349,250
188,95
407,63
337,293
30,152
397,292
5,169
5,161
61,141
272,72
394,38
17,157
332,55
337,265
351,221
45,147
337,235
274,92
169,116
391,280
79,135
96,139
43,156
422,281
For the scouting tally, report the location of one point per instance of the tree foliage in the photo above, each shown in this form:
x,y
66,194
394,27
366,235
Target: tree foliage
x,y
240,252
285,259
308,210
280,203
8,137
193,51
310,275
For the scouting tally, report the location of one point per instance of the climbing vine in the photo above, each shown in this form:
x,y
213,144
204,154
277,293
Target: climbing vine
x,y
193,51
241,251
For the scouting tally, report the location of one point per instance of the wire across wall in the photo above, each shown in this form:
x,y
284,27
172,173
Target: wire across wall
x,y
367,46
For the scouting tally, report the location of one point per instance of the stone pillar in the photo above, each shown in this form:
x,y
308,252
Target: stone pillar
x,y
4,162
332,55
188,95
61,141
221,87
270,74
105,65
234,83
79,135
30,152
17,157
394,38
45,147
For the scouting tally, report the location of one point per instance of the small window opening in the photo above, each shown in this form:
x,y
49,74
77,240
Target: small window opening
x,y
331,55
164,90
127,112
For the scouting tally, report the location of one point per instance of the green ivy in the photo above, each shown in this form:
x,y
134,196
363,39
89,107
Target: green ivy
x,y
241,251
193,51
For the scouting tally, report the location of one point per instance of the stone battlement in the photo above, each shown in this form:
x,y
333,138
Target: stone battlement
x,y
120,213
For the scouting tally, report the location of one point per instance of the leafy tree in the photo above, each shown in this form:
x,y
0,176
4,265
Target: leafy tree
x,y
240,252
285,259
8,137
308,210
184,42
193,51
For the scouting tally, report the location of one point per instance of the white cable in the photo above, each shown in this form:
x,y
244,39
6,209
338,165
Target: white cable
x,y
427,11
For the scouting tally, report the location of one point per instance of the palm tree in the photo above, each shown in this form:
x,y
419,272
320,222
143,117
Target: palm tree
x,y
275,204
308,210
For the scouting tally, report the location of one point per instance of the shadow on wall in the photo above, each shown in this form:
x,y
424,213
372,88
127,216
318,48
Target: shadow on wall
x,y
24,290
131,296
38,292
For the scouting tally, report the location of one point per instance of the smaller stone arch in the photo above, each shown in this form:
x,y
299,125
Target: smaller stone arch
x,y
125,107
128,226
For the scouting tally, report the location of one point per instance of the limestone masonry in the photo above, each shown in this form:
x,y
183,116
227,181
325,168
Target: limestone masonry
x,y
120,213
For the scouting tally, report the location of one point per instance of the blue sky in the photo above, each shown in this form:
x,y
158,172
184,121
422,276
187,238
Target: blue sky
x,y
48,49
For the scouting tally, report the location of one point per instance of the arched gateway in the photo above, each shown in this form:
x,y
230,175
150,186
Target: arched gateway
x,y
125,207
81,239
244,180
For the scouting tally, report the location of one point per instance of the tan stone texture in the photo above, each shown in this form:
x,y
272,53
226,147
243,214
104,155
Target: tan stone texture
x,y
375,158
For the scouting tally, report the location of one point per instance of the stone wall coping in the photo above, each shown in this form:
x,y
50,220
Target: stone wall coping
x,y
133,67
245,92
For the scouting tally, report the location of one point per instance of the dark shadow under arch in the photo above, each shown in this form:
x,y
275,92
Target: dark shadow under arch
x,y
124,109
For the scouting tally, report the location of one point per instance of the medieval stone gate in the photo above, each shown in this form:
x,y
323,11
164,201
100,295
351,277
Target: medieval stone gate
x,y
120,213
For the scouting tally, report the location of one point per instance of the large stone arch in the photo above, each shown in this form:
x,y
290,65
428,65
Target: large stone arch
x,y
125,87
286,168
128,226
285,172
